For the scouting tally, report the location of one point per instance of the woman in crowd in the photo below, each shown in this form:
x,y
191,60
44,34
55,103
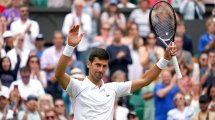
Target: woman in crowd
x,y
180,112
45,102
36,73
60,109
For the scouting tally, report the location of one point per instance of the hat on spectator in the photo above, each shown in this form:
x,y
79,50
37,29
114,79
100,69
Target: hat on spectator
x,y
32,97
7,34
131,113
39,37
77,74
4,93
204,99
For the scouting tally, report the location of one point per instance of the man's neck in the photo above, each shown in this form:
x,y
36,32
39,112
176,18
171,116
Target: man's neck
x,y
98,83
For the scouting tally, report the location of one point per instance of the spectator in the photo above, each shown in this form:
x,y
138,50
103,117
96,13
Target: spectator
x,y
204,114
164,93
180,112
207,38
207,75
192,9
3,27
12,13
45,102
187,40
49,61
93,9
60,109
132,116
114,17
51,114
26,26
8,42
36,73
120,112
104,39
195,94
77,16
18,50
4,95
184,57
40,46
120,56
27,86
5,3
32,111
151,52
211,93
126,4
140,17
7,75
203,60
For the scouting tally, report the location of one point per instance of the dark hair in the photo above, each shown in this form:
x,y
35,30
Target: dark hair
x,y
51,110
204,99
1,61
30,57
100,53
25,69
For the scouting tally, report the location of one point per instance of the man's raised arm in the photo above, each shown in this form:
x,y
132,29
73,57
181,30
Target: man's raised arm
x,y
73,39
154,72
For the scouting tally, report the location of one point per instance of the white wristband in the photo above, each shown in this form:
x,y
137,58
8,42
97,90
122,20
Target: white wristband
x,y
162,63
68,50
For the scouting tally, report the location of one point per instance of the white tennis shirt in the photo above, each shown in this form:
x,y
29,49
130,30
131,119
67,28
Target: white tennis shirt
x,y
93,103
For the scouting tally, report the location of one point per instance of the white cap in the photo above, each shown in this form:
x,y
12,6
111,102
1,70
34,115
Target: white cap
x,y
4,93
7,34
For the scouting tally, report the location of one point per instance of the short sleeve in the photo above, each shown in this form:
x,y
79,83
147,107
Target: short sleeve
x,y
74,87
121,88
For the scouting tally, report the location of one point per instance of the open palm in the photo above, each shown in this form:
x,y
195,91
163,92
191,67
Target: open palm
x,y
74,37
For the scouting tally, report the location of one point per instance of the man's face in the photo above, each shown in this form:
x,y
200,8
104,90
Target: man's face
x,y
25,77
166,77
203,106
179,42
97,68
24,12
50,116
58,39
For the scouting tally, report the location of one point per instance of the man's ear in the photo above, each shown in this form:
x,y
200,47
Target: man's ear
x,y
88,64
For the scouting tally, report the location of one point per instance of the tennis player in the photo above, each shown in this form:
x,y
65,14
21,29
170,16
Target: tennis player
x,y
92,98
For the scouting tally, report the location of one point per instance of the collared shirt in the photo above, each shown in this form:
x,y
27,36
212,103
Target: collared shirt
x,y
20,27
34,87
93,103
176,114
50,57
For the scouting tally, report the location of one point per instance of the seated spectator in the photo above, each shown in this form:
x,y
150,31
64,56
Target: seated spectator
x,y
180,112
60,109
27,86
7,75
205,113
51,114
45,102
4,95
114,17
192,9
32,111
132,116
126,4
18,50
207,38
211,93
36,73
203,60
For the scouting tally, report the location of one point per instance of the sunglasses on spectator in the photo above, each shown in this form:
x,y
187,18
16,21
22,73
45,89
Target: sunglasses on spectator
x,y
59,105
50,117
180,98
106,29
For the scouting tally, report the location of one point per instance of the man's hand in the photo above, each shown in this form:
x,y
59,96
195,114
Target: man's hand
x,y
170,51
73,37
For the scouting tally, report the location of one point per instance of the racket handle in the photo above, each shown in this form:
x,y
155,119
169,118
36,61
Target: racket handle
x,y
176,66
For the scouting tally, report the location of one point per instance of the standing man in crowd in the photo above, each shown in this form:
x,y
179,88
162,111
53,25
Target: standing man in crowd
x,y
92,96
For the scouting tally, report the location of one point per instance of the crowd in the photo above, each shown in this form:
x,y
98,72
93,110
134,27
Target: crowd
x,y
30,91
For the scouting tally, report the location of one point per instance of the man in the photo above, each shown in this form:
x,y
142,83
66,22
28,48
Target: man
x,y
8,41
204,114
32,111
26,26
92,98
27,86
39,45
164,93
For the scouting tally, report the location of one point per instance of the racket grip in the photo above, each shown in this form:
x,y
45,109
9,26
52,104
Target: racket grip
x,y
176,66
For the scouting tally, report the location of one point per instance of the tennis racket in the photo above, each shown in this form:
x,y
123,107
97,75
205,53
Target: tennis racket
x,y
162,21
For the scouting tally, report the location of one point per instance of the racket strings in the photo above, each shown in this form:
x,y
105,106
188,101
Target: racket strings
x,y
163,22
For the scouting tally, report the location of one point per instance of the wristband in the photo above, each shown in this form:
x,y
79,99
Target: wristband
x,y
162,63
68,50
